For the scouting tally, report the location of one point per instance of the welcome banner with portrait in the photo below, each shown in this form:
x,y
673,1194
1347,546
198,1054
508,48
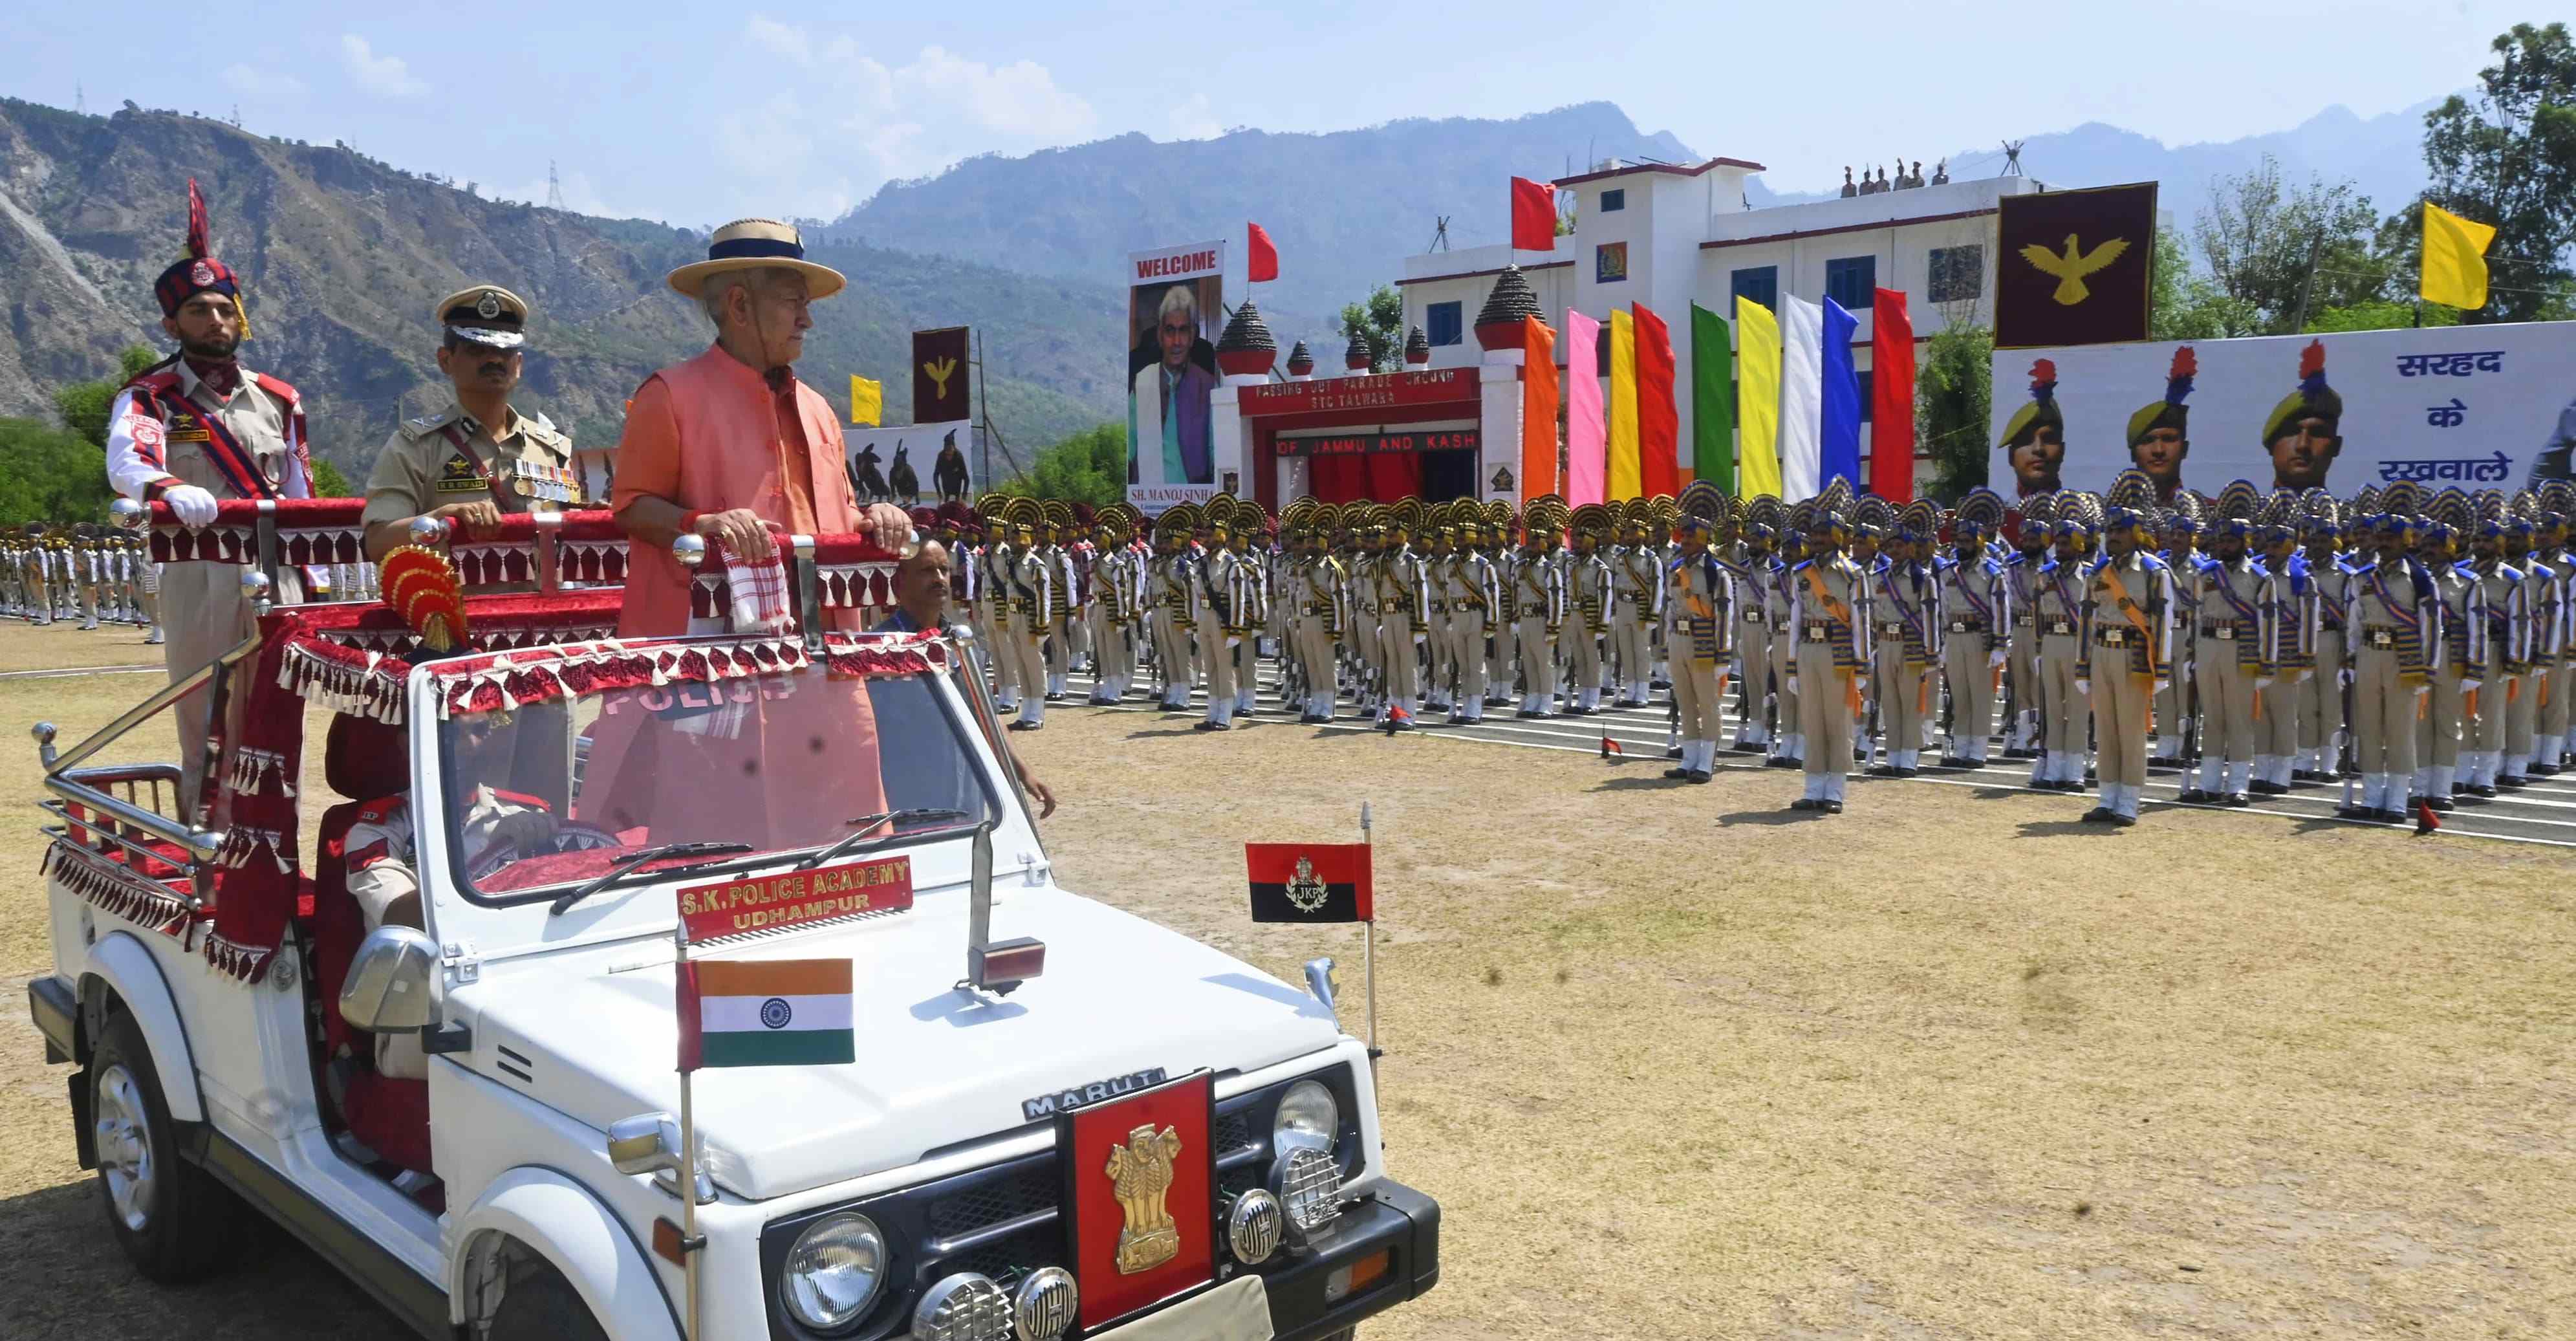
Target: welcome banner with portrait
x,y
1174,309
2479,407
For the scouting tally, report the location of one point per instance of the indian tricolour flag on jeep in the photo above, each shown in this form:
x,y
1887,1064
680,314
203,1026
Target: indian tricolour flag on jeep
x,y
765,1012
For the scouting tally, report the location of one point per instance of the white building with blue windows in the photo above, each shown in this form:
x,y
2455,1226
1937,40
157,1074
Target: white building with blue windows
x,y
1668,237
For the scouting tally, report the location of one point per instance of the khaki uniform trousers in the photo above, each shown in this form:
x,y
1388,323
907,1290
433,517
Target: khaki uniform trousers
x,y
2554,719
1467,644
2021,662
2321,699
2276,721
1216,660
2438,730
1314,649
1582,658
1632,644
1750,665
1697,687
1172,650
1784,668
2383,712
1403,661
2226,703
2521,715
2121,701
1968,667
1538,660
2062,706
1899,683
1824,709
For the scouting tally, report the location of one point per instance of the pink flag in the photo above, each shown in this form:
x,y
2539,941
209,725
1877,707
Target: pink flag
x,y
1587,441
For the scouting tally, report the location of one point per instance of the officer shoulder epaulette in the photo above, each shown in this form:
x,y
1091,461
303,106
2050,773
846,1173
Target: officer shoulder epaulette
x,y
424,425
280,388
538,427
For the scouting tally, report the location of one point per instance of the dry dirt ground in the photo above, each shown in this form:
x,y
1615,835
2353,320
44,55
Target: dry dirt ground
x,y
1681,1065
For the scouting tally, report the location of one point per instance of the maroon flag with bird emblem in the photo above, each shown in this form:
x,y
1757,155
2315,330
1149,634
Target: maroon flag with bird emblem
x,y
2074,267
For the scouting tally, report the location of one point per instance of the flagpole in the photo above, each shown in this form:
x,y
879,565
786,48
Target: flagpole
x,y
1368,942
690,1245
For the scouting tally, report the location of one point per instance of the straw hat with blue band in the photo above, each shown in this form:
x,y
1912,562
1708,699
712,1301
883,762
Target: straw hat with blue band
x,y
757,244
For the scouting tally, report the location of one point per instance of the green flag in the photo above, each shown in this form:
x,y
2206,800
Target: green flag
x,y
1712,400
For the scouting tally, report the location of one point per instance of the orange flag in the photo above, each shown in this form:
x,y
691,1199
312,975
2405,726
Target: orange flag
x,y
1538,408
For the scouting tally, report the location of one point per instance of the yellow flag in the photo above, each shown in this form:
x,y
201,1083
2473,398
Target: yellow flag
x,y
867,401
1624,470
1757,399
2455,258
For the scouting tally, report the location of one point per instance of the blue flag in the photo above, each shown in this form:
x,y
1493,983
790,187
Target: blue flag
x,y
1839,451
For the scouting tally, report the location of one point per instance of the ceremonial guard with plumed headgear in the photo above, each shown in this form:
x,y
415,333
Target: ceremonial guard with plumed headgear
x,y
1833,620
2128,648
1788,738
2294,641
1402,598
1907,595
1063,597
2058,602
2233,648
1702,596
1031,578
1472,590
2395,633
2030,531
1251,602
2495,747
194,429
1588,588
1976,620
2178,703
2555,731
1220,596
2324,736
1637,607
1176,596
1538,609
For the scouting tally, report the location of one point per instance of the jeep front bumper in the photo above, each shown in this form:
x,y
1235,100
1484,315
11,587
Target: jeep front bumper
x,y
1395,1220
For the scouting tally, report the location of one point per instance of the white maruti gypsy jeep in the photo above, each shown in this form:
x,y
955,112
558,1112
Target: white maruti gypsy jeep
x,y
1061,1120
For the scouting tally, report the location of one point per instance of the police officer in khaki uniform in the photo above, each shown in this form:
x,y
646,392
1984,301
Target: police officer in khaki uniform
x,y
477,459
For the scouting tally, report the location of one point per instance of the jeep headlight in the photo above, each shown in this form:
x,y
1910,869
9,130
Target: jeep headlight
x,y
1308,1119
833,1272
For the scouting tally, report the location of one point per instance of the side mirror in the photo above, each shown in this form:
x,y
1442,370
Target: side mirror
x,y
645,1143
1319,984
390,981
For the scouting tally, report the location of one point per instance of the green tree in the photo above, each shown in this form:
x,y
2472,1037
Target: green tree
x,y
1954,401
84,405
50,474
2283,250
328,482
2380,314
1089,467
1380,322
2187,305
2506,155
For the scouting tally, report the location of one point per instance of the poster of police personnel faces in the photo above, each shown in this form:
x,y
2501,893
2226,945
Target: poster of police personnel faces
x,y
2477,407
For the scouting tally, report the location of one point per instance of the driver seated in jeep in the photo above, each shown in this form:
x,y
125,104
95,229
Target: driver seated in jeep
x,y
498,825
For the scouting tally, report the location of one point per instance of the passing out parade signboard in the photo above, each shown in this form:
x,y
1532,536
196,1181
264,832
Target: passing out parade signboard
x,y
2476,407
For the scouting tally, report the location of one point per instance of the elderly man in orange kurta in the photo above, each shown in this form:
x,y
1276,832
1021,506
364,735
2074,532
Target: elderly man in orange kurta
x,y
729,443
726,446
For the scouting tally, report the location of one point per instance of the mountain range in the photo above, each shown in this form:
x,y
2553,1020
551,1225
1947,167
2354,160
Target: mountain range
x,y
345,254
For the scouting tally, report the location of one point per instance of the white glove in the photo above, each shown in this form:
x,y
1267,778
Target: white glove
x,y
2084,687
2467,684
2305,676
1793,684
193,506
1996,657
2163,685
2262,682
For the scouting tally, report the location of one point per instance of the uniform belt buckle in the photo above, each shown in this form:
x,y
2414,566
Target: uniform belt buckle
x,y
2114,637
2060,626
2381,638
1961,626
1815,633
2227,631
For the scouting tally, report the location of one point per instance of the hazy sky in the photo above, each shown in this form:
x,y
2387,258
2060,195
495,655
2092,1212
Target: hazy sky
x,y
697,113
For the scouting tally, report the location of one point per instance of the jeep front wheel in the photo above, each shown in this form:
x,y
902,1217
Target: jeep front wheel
x,y
540,1305
172,1219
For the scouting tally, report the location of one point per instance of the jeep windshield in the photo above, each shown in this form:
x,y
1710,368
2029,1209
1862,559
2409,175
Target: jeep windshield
x,y
569,789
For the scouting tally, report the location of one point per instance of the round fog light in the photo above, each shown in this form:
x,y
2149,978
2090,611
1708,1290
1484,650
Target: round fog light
x,y
1308,1184
1252,1227
1307,1117
1044,1308
963,1307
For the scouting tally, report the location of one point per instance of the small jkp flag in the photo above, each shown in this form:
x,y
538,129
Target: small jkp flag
x,y
765,1012
1310,882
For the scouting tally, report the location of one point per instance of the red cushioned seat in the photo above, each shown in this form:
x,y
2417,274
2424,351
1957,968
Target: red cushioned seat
x,y
367,761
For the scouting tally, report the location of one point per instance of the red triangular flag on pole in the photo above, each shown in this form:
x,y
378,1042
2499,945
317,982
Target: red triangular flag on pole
x,y
1533,215
2425,820
1610,747
1263,257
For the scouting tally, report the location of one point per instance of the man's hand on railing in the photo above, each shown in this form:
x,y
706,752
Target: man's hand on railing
x,y
193,506
740,531
479,519
886,524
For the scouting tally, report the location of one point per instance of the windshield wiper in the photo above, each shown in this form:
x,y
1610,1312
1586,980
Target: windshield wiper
x,y
641,859
869,824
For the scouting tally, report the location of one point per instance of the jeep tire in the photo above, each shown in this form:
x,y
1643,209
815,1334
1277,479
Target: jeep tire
x,y
540,1305
174,1221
